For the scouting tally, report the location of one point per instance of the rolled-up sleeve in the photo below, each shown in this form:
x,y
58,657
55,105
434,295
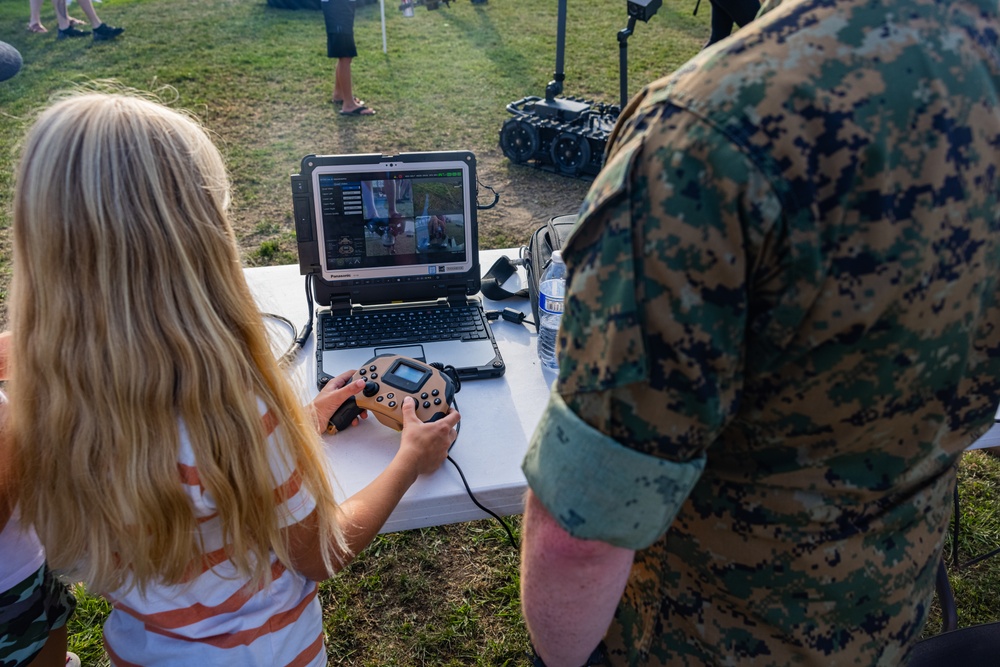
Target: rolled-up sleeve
x,y
598,489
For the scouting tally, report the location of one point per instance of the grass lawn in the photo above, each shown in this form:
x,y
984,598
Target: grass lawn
x,y
259,79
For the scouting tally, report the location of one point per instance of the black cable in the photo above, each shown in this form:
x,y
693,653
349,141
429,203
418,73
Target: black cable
x,y
468,489
981,558
509,314
284,320
510,534
496,197
303,336
295,332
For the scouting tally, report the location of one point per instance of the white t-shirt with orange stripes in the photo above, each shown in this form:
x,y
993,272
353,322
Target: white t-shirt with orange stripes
x,y
217,618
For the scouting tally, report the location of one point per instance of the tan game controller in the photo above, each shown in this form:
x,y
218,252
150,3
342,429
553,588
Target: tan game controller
x,y
389,378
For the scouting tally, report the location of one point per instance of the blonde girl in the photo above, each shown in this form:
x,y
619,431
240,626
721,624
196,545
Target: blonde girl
x,y
171,464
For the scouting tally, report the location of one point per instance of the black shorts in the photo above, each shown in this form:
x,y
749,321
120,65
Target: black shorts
x,y
339,18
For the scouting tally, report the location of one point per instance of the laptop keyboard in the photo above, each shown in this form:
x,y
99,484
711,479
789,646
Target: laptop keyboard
x,y
392,327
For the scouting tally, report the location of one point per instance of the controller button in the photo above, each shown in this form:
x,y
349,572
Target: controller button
x,y
392,404
423,395
427,404
371,388
390,395
373,368
437,401
362,371
373,375
435,392
379,399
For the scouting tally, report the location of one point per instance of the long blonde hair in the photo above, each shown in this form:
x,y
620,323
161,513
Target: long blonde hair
x,y
131,316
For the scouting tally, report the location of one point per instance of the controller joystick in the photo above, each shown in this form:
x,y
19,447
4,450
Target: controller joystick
x,y
389,378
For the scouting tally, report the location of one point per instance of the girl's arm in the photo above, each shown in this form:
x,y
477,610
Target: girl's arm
x,y
422,449
5,340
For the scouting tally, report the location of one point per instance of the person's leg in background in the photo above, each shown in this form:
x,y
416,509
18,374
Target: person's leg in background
x,y
727,12
67,27
35,17
342,86
338,15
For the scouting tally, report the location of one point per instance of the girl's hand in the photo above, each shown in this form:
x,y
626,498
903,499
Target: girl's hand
x,y
333,395
426,445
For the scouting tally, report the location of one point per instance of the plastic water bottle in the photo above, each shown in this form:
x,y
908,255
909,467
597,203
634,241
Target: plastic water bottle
x,y
551,290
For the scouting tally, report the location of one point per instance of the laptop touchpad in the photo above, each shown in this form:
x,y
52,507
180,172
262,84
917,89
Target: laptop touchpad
x,y
411,351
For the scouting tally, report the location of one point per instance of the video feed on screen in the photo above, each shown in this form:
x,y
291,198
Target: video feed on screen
x,y
374,220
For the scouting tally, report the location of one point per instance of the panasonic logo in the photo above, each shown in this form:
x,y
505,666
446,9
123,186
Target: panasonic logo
x,y
340,275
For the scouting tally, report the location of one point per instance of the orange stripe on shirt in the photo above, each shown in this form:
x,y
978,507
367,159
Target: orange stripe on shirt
x,y
213,558
189,475
289,488
304,658
270,422
246,637
116,659
179,618
309,654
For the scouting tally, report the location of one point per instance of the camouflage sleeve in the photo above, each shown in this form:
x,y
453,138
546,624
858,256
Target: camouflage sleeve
x,y
629,504
653,335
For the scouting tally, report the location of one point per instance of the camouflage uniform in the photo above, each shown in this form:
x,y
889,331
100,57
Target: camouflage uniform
x,y
29,611
782,330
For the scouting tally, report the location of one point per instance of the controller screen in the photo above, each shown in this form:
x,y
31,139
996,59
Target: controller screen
x,y
408,373
406,376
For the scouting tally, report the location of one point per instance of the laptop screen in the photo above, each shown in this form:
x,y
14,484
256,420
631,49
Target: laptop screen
x,y
393,220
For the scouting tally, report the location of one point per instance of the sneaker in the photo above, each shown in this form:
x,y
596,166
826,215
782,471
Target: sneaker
x,y
71,31
105,32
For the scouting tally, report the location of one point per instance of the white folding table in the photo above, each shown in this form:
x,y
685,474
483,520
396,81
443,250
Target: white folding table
x,y
498,415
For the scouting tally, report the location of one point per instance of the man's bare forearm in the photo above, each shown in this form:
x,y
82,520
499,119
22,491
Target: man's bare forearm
x,y
570,588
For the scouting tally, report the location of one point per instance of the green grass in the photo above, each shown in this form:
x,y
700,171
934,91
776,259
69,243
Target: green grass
x,y
975,586
258,78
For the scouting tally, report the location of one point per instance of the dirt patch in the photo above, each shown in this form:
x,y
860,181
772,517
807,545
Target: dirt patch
x,y
528,197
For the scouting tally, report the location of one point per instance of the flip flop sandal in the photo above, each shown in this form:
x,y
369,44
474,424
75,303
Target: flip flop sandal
x,y
360,111
73,21
340,103
37,28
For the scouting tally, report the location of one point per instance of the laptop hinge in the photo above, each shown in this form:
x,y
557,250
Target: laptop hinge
x,y
340,305
457,295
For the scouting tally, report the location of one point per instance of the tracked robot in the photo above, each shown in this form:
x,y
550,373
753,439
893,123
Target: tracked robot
x,y
565,134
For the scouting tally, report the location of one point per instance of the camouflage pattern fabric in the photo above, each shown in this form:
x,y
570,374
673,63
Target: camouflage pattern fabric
x,y
787,267
28,613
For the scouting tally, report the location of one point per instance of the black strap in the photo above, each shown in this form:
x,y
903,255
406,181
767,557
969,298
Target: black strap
x,y
498,274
